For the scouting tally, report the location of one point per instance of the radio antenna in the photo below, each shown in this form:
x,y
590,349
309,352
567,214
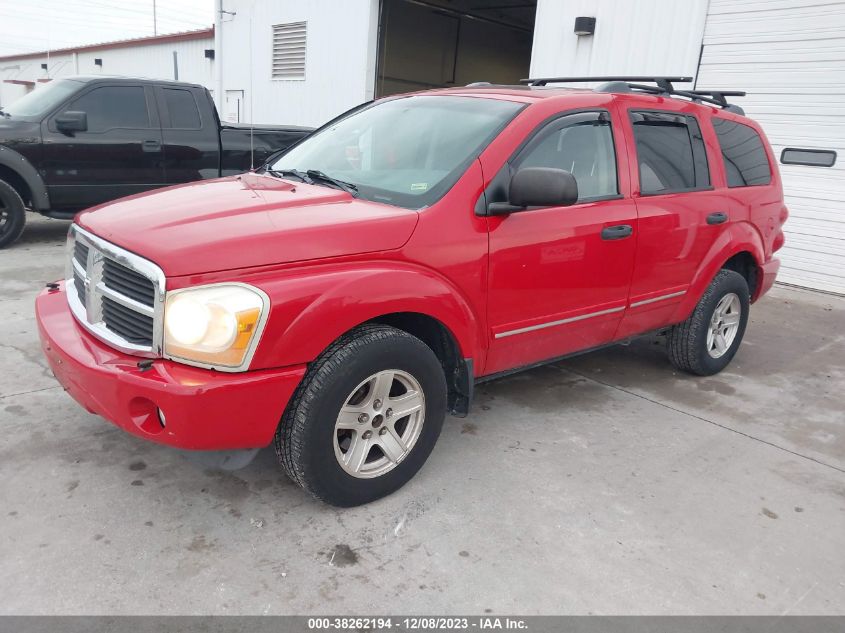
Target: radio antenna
x,y
251,101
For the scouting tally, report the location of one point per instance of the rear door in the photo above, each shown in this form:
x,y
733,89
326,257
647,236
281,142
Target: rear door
x,y
680,212
559,276
190,134
118,155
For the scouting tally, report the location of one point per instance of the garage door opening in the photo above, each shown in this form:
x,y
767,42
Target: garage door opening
x,y
441,43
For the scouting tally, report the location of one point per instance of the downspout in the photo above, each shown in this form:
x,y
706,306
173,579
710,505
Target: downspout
x,y
218,56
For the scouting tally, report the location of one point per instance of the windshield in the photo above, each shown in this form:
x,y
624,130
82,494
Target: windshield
x,y
406,152
43,99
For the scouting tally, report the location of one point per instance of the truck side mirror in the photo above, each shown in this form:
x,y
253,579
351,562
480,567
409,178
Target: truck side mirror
x,y
537,187
72,121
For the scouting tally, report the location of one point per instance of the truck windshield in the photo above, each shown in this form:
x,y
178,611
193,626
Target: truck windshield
x,y
407,151
41,100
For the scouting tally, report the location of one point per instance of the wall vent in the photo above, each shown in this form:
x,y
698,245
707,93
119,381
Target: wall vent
x,y
289,51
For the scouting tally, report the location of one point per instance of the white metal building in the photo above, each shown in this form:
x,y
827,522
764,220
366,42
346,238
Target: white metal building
x,y
175,56
311,60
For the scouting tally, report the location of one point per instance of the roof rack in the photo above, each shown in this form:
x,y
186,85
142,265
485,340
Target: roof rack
x,y
663,82
663,87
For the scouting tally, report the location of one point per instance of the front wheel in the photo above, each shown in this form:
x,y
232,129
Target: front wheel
x,y
365,417
12,214
706,342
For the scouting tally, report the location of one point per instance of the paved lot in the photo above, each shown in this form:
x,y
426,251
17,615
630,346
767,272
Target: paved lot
x,y
606,484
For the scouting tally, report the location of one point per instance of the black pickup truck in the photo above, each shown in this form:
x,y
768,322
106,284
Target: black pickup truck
x,y
81,141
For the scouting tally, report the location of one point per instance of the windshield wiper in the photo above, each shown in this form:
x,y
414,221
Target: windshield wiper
x,y
288,173
348,187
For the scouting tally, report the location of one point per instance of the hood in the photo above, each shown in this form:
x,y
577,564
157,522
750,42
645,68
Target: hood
x,y
14,131
247,221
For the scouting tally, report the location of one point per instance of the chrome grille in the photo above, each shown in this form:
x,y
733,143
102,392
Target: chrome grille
x,y
80,253
115,294
134,327
128,282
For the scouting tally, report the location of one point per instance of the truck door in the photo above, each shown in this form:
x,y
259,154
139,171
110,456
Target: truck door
x,y
190,134
119,153
680,213
559,276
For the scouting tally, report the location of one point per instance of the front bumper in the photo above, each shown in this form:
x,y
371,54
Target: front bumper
x,y
202,409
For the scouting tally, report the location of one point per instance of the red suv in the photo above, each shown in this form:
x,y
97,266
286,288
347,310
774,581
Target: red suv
x,y
341,300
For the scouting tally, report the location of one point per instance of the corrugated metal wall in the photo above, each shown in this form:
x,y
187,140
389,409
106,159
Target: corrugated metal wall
x,y
790,57
154,61
339,59
661,37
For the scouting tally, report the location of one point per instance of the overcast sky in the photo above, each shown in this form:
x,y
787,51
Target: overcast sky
x,y
38,25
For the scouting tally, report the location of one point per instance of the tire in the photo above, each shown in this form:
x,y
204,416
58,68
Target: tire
x,y
12,215
690,348
323,420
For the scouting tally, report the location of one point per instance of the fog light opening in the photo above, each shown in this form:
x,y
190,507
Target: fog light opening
x,y
162,419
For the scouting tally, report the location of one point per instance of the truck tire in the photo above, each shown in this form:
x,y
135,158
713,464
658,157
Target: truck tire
x,y
706,342
12,215
365,417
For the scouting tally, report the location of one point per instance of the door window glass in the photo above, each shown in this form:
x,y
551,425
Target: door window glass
x,y
583,148
112,107
182,108
670,153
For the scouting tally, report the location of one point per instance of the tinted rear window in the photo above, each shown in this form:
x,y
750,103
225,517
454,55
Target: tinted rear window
x,y
743,153
183,109
670,153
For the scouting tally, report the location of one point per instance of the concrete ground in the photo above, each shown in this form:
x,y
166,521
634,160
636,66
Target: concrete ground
x,y
605,484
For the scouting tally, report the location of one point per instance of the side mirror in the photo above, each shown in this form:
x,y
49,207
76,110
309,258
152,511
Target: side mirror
x,y
537,187
71,121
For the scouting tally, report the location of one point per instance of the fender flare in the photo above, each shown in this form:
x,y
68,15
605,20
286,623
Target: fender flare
x,y
741,237
310,311
23,168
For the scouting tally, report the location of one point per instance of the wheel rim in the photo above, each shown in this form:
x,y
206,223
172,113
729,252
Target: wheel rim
x,y
724,324
5,221
379,424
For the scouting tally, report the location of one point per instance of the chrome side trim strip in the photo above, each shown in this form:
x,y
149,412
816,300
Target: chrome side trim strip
x,y
541,326
660,298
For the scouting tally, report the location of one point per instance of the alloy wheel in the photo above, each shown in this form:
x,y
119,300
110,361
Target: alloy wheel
x,y
724,324
379,424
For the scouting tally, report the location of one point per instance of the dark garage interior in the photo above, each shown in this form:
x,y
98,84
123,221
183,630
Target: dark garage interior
x,y
441,43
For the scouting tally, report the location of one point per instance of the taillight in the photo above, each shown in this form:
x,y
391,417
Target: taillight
x,y
784,214
779,242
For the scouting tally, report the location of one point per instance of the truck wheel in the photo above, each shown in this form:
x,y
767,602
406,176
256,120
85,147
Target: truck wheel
x,y
706,342
12,215
365,417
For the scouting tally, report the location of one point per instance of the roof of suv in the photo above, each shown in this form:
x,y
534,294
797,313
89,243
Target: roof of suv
x,y
536,89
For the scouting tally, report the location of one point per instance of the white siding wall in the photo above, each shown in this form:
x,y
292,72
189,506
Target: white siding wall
x,y
790,57
153,61
339,59
660,37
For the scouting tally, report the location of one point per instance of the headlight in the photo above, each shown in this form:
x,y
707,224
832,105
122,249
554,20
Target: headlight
x,y
216,326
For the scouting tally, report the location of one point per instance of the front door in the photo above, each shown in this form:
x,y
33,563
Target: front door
x,y
118,155
559,276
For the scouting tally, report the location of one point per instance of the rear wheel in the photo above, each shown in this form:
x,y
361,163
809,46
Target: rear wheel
x,y
12,214
365,418
706,342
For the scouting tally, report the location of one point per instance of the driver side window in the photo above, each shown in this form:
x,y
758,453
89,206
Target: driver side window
x,y
581,144
111,107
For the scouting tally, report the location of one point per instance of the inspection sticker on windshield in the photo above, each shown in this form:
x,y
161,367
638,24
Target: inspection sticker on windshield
x,y
419,186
